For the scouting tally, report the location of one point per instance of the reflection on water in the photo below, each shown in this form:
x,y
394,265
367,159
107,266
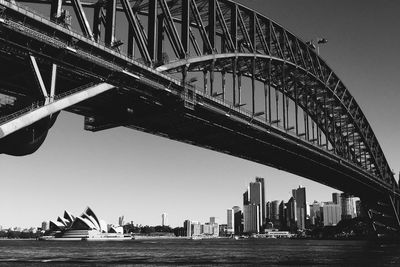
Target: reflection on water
x,y
221,252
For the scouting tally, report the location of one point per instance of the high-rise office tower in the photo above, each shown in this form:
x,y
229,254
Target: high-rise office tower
x,y
291,214
255,197
315,213
336,198
213,220
246,198
282,215
164,219
332,213
251,218
268,210
299,195
187,226
238,223
275,213
348,204
230,221
261,181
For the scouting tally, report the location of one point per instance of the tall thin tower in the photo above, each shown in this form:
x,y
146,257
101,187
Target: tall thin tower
x,y
261,180
164,219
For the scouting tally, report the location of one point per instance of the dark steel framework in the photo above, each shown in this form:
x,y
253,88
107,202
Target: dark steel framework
x,y
228,43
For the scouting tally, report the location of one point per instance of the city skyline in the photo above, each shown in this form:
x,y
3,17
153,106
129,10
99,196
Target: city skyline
x,y
145,170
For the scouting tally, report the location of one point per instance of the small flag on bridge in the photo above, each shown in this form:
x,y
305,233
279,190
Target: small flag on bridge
x,y
322,41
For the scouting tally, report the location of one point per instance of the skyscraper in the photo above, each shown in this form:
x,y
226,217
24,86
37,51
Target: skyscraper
x,y
230,221
348,204
238,224
336,198
315,213
255,197
291,214
261,181
251,218
275,213
299,195
268,210
332,213
187,226
164,219
246,198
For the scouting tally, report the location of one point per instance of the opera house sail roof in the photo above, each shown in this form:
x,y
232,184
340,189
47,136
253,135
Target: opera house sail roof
x,y
88,225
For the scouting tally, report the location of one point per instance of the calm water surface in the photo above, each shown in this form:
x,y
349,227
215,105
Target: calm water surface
x,y
216,252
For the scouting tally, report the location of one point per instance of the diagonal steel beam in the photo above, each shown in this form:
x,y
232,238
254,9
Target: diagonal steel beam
x,y
261,36
245,33
171,29
224,27
206,41
37,114
135,30
38,76
82,20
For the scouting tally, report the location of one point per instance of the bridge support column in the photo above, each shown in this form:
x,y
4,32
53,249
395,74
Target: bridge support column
x,y
55,9
38,76
53,82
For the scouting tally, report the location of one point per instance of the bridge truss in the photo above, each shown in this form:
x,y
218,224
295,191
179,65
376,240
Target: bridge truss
x,y
254,72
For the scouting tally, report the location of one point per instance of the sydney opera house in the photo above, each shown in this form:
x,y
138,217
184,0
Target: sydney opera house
x,y
85,227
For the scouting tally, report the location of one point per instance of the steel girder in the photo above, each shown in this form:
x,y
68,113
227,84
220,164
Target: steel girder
x,y
223,36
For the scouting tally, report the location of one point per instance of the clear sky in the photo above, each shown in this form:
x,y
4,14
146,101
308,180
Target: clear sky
x,y
126,172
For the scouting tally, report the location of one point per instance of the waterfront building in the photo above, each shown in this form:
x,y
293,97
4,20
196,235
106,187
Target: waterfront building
x,y
213,220
88,225
299,195
275,213
268,210
315,213
262,205
255,198
291,214
238,220
215,229
223,230
195,228
360,211
246,198
332,213
207,229
282,215
348,206
251,218
336,198
230,221
164,219
187,226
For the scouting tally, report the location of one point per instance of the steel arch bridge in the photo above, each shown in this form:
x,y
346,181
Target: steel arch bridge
x,y
265,95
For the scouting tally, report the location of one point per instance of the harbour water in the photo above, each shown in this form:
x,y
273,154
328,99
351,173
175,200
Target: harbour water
x,y
210,252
